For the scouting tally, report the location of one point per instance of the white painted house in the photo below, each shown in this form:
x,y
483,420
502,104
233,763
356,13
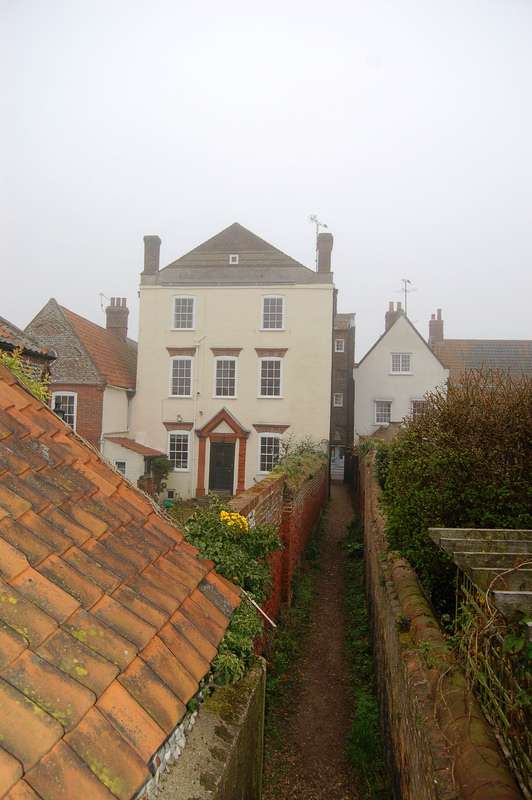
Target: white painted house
x,y
235,352
395,374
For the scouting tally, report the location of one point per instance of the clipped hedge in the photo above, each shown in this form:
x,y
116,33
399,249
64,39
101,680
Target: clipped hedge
x,y
465,462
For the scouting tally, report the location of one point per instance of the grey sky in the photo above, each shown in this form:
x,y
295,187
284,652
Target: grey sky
x,y
405,126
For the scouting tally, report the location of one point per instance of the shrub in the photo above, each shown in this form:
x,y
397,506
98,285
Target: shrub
x,y
40,386
242,553
466,462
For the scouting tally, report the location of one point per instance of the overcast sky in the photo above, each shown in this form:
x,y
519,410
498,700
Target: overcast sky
x,y
405,125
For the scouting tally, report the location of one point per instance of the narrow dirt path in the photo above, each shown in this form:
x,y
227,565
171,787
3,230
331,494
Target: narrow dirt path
x,y
314,765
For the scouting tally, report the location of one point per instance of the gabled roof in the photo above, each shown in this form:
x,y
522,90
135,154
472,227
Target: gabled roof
x,y
131,444
461,355
258,262
113,360
401,316
12,338
108,619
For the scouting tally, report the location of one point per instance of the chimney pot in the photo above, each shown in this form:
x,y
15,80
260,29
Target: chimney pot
x,y
435,329
325,246
117,313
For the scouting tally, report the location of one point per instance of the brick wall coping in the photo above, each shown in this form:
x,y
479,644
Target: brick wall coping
x,y
479,768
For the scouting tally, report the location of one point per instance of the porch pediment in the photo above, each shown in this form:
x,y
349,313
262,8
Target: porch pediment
x,y
223,422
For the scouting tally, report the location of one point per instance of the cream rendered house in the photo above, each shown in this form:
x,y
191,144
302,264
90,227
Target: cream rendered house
x,y
395,374
235,345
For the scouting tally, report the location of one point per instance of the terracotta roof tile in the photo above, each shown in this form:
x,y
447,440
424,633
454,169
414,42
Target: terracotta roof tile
x,y
108,755
22,791
28,732
12,644
15,339
73,582
90,573
131,721
24,540
12,561
193,661
45,594
124,622
55,692
101,638
24,616
10,771
131,444
62,775
197,638
70,655
164,663
153,695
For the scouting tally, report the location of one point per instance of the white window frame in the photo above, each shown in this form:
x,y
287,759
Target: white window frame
x,y
183,359
233,258
121,461
262,362
185,436
74,415
218,360
339,345
415,413
175,299
401,363
263,312
262,438
382,422
338,400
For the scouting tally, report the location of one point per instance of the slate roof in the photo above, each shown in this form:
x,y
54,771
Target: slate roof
x,y
131,444
460,355
108,620
258,262
12,338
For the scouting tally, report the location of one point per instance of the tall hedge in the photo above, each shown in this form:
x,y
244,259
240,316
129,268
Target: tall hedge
x,y
465,462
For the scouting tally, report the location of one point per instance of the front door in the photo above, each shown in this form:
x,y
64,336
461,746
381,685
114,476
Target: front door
x,y
222,467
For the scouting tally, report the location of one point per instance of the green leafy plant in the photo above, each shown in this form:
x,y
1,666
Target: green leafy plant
x,y
243,554
465,462
19,366
160,467
299,460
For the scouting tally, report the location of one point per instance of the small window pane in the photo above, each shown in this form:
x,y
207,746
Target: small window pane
x,y
339,345
181,377
272,312
269,452
225,382
338,400
184,313
65,403
401,362
383,411
121,466
270,377
417,408
178,450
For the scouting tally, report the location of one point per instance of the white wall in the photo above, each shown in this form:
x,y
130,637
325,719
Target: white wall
x,y
115,413
375,381
230,316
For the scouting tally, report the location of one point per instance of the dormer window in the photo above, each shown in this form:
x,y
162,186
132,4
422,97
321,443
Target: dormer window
x,y
233,258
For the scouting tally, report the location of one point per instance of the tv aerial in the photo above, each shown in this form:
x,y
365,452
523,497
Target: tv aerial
x,y
405,292
314,219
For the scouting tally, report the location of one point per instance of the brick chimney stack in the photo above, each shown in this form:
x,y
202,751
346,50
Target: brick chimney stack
x,y
435,329
117,314
152,248
325,246
392,316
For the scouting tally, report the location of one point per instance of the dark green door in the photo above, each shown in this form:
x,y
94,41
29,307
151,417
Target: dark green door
x,y
222,467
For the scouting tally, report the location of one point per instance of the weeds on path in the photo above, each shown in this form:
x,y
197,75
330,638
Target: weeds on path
x,y
364,745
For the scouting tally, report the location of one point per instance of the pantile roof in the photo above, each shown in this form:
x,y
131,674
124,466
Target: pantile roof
x,y
131,444
12,338
108,618
115,358
461,355
96,354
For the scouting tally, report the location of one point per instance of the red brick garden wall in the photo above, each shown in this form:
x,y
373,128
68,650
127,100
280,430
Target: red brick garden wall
x,y
438,744
295,513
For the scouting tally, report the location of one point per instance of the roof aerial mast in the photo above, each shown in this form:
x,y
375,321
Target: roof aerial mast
x,y
313,218
406,291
